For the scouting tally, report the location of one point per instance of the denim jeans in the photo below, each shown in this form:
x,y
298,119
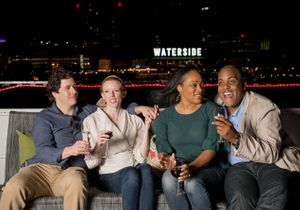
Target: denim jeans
x,y
196,188
251,185
136,185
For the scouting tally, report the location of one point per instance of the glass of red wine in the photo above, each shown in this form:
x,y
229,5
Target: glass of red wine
x,y
176,173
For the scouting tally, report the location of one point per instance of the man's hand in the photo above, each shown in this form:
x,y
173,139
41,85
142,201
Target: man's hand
x,y
78,148
225,128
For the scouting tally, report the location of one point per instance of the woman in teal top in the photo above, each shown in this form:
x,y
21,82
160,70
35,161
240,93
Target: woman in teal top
x,y
185,130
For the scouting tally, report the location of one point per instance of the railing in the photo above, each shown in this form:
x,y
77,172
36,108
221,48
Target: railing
x,y
8,85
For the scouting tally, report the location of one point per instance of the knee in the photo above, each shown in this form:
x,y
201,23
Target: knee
x,y
194,185
146,172
145,169
132,177
168,181
77,179
12,187
16,186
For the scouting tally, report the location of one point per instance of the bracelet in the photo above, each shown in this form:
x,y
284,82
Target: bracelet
x,y
237,141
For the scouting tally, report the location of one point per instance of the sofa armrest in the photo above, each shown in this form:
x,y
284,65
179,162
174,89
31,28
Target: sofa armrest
x,y
22,121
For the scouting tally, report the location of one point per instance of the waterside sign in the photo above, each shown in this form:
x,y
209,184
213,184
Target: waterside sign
x,y
177,52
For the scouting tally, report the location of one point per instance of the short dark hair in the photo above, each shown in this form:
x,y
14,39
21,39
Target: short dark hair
x,y
54,81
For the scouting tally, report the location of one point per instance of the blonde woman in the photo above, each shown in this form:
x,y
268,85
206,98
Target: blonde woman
x,y
119,147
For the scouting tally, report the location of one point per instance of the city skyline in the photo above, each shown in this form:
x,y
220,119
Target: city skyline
x,y
94,35
176,22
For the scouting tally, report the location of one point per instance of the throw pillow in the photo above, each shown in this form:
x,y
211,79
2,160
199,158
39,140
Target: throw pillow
x,y
152,158
26,146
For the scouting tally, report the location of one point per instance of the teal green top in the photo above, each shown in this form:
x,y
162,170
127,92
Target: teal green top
x,y
187,135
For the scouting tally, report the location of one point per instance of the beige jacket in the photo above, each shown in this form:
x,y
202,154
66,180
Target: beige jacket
x,y
124,146
260,134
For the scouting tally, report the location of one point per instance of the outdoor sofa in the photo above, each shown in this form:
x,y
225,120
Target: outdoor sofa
x,y
98,200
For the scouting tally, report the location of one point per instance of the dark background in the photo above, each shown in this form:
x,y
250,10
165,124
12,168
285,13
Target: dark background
x,y
178,22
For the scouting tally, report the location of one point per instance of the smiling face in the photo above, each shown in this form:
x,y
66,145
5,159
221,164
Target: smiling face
x,y
67,94
113,93
191,88
231,87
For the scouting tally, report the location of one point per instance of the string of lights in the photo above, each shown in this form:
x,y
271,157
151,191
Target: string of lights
x,y
134,85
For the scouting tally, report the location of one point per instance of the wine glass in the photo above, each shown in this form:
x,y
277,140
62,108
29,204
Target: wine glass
x,y
110,134
176,173
221,111
86,136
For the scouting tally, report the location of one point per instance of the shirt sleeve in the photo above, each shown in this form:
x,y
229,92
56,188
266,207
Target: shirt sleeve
x,y
92,161
140,126
161,131
131,108
42,133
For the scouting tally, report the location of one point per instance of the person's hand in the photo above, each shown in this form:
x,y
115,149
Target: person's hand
x,y
225,128
103,137
149,119
101,103
167,161
80,147
147,111
185,173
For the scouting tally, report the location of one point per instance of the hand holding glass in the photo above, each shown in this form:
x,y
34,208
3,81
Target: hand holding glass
x,y
221,111
176,173
110,134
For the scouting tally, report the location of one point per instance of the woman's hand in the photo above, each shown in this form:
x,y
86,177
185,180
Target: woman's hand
x,y
167,161
185,173
103,137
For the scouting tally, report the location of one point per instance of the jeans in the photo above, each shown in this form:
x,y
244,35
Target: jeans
x,y
251,185
136,185
196,188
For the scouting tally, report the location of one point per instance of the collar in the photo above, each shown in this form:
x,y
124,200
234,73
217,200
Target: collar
x,y
58,111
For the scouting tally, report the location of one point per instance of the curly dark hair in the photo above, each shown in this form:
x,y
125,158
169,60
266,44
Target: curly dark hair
x,y
54,81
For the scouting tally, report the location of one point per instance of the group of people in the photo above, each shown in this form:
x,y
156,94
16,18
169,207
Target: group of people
x,y
255,172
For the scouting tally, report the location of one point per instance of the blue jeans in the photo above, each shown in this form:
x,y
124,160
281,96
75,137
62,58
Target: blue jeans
x,y
136,185
196,188
252,185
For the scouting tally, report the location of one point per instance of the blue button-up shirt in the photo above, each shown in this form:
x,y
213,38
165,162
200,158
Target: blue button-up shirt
x,y
235,119
53,131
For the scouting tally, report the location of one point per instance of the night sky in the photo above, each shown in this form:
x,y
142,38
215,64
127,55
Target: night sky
x,y
176,21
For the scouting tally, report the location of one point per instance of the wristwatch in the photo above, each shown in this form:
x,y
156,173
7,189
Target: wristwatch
x,y
237,141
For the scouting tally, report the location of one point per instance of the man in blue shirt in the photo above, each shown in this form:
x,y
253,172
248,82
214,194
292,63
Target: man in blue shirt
x,y
257,178
58,168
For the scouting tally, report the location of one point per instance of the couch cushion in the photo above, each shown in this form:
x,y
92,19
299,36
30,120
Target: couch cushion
x,y
290,123
26,146
152,158
22,121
